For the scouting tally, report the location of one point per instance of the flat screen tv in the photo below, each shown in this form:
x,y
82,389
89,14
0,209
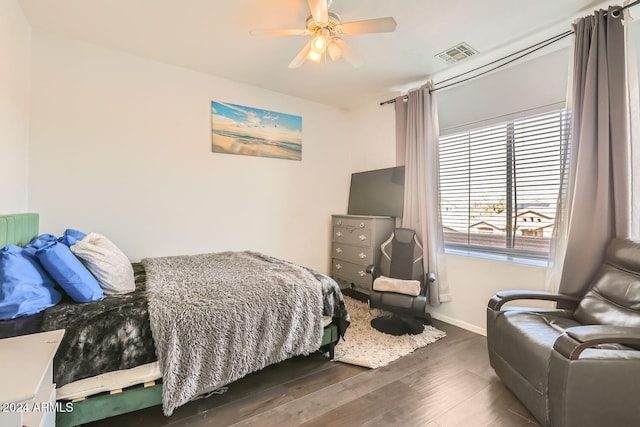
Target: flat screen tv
x,y
378,192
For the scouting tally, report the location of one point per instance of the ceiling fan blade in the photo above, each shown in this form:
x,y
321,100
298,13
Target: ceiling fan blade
x,y
281,32
347,53
319,10
335,49
380,25
301,56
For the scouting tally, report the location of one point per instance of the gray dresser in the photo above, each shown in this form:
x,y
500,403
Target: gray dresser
x,y
355,244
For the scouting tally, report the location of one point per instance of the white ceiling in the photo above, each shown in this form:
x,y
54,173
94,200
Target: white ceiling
x,y
212,36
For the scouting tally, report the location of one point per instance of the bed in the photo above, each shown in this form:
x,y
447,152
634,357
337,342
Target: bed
x,y
109,362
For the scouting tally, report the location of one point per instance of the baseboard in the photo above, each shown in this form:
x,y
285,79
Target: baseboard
x,y
460,324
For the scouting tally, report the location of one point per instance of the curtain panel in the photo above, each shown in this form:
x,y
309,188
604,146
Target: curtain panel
x,y
596,201
417,133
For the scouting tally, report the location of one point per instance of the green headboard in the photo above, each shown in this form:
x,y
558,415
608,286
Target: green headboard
x,y
18,229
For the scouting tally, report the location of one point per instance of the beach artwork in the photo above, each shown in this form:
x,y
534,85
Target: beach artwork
x,y
236,129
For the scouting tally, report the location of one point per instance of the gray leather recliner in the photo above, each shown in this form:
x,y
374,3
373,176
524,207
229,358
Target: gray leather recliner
x,y
580,365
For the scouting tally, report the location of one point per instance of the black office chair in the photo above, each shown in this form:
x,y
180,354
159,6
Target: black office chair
x,y
399,285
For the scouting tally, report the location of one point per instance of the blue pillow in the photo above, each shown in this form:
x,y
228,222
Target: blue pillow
x,y
39,242
25,288
67,270
71,236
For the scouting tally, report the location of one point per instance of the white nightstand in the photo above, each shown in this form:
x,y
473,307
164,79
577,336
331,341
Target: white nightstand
x,y
27,392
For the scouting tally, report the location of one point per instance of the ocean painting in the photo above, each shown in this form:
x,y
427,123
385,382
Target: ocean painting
x,y
236,129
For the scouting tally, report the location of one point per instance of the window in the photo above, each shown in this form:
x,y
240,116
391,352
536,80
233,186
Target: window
x,y
499,185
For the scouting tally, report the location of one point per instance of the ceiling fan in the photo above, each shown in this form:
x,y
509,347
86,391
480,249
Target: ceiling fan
x,y
326,33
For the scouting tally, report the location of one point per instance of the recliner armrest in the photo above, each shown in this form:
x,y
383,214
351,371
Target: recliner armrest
x,y
578,338
502,297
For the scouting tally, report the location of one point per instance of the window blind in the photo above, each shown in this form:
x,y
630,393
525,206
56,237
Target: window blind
x,y
499,184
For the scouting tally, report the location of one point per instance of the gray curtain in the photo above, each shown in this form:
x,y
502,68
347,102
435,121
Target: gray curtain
x,y
597,201
417,133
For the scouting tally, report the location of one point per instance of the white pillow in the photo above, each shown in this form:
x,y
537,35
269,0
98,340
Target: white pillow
x,y
387,284
106,262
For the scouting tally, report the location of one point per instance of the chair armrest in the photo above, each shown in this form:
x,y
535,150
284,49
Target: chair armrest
x,y
578,338
424,287
502,297
371,269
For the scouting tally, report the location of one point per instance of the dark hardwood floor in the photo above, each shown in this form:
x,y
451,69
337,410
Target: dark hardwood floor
x,y
448,383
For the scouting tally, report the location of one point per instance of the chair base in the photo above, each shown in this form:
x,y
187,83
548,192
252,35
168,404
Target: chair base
x,y
394,325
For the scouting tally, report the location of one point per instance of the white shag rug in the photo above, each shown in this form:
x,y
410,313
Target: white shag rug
x,y
365,346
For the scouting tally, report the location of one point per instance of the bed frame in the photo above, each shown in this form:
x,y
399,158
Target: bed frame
x,y
141,396
20,229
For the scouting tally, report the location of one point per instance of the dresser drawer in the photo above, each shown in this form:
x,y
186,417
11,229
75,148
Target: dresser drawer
x,y
354,254
355,244
364,223
351,273
352,236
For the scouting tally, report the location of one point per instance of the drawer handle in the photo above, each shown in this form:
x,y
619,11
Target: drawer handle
x,y
339,234
362,255
362,237
338,266
339,250
339,222
362,273
362,225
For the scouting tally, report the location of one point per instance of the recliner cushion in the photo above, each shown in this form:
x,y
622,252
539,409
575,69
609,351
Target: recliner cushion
x,y
525,340
623,254
614,299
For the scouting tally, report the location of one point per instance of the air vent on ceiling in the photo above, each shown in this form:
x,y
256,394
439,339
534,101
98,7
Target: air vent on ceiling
x,y
457,53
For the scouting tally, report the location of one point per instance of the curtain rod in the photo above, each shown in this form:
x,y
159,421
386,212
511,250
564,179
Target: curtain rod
x,y
630,5
529,50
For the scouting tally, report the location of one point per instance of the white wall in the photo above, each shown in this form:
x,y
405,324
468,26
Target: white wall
x,y
538,82
121,146
472,280
15,45
373,145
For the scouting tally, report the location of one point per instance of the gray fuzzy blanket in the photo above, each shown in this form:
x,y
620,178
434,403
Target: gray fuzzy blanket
x,y
217,317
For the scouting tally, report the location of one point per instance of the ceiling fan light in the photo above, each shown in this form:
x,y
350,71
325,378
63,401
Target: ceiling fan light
x,y
319,43
335,49
314,56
